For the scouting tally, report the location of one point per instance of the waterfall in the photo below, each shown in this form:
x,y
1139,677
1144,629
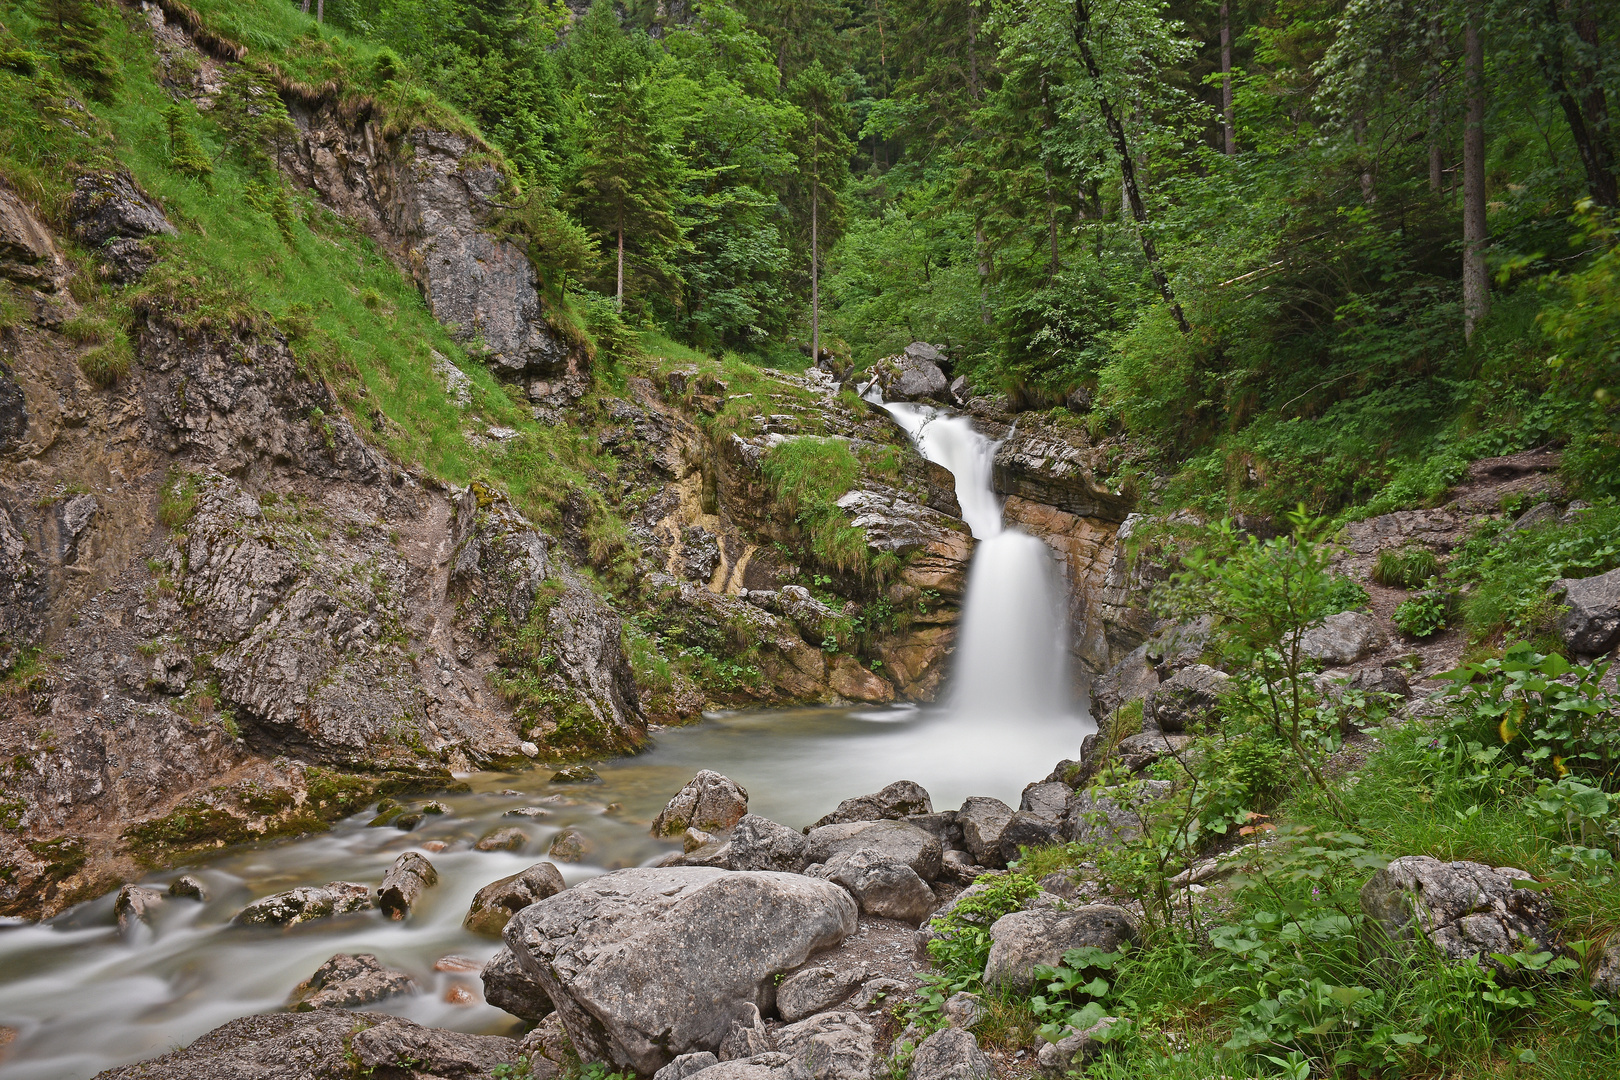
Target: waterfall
x,y
1012,660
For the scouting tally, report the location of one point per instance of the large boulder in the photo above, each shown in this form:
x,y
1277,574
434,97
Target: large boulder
x,y
814,990
105,205
1466,910
1024,939
950,1054
1343,639
649,963
895,841
903,798
398,1049
1112,815
1038,822
345,981
831,1046
709,801
495,904
1591,627
1188,701
309,902
913,375
982,821
758,843
883,886
511,986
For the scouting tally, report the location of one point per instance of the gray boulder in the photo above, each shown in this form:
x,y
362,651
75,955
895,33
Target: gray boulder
x,y
881,885
1038,821
649,963
941,826
913,375
983,820
814,990
709,801
135,906
1133,677
105,205
496,903
1024,939
758,843
398,1048
950,1054
901,799
1606,976
1189,700
687,1065
304,904
189,887
1112,815
404,883
895,841
1466,910
746,1035
959,867
831,1046
511,986
345,981
1591,627
1381,680
1137,752
963,1010
1343,639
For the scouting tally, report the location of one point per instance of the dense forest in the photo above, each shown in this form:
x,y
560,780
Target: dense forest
x,y
1302,251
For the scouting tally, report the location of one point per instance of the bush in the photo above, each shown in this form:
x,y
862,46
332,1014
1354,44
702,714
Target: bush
x,y
1425,614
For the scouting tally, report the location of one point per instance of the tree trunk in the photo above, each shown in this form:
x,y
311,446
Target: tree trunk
x,y
984,275
1127,169
815,250
1596,108
320,11
618,289
1476,234
1226,78
305,8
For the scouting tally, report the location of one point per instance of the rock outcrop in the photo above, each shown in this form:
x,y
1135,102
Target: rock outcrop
x,y
1466,910
1591,626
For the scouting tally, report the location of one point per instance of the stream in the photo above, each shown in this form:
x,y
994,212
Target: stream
x,y
81,999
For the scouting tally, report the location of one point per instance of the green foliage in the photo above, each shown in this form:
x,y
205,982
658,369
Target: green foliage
x,y
1405,568
1584,323
185,154
177,500
1425,614
963,942
807,478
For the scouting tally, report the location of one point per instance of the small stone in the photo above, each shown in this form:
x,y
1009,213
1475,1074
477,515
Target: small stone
x,y
527,812
528,749
188,886
347,980
1072,1052
950,1054
434,846
576,774
435,807
135,906
507,839
813,990
692,839
457,963
457,994
570,845
963,1010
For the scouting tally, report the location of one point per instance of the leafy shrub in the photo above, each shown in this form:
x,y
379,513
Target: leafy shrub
x,y
1425,614
1406,568
185,155
1344,595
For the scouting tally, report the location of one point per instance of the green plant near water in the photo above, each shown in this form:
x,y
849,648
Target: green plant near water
x,y
808,476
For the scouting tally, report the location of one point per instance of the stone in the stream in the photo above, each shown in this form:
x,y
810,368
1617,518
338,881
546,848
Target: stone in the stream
x,y
403,884
709,801
135,906
303,904
950,1054
507,839
576,774
187,886
758,843
1466,910
902,798
380,1051
1591,627
746,1035
831,1045
511,986
496,903
569,845
815,989
345,981
1024,939
692,839
1071,1053
648,963
535,812
882,885
1343,639
896,841
983,820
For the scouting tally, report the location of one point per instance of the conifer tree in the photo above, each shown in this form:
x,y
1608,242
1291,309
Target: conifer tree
x,y
825,149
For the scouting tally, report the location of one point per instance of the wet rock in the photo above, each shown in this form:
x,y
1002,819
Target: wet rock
x,y
398,1049
883,886
507,839
635,966
579,773
897,842
950,1054
912,375
686,1065
1466,910
1591,627
852,682
108,204
345,981
1343,639
963,1010
746,1035
831,1045
1053,465
709,801
1190,700
1072,1052
692,839
569,845
814,990
136,906
1024,939
1114,815
758,843
403,884
983,820
901,799
495,904
305,904
187,886
511,986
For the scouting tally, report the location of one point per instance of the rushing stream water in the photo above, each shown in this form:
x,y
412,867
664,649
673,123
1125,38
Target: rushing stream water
x,y
81,999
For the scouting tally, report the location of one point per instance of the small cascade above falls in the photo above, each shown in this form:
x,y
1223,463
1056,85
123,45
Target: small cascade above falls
x,y
1013,657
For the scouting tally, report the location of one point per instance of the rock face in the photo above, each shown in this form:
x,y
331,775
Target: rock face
x,y
950,1054
831,1046
511,986
28,255
901,799
1591,627
758,843
1465,909
105,205
1025,939
301,905
1343,639
345,981
646,964
709,801
495,904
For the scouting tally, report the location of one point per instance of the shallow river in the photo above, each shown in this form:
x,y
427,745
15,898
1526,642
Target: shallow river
x,y
80,999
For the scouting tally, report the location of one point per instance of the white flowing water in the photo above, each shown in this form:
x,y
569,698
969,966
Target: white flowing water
x,y
76,999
